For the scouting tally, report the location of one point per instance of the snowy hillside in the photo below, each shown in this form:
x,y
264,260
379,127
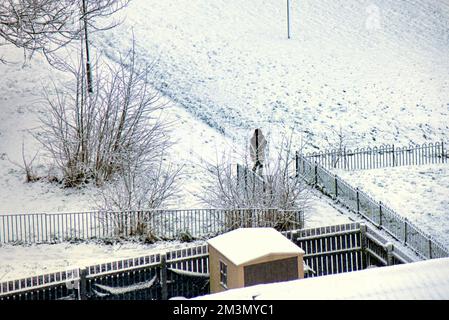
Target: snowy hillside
x,y
227,65
229,62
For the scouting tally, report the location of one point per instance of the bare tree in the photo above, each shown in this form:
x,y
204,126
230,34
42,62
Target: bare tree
x,y
47,25
236,187
134,192
92,137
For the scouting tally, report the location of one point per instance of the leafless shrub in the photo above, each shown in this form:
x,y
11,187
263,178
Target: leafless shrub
x,y
92,137
277,188
137,187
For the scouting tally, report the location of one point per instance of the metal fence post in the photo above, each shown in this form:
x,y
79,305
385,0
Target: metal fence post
x,y
405,230
394,162
164,290
443,156
380,213
358,200
430,248
344,156
316,173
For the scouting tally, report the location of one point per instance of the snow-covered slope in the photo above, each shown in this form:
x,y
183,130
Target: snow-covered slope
x,y
229,62
21,104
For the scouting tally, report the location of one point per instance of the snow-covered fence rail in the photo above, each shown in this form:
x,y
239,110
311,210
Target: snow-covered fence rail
x,y
331,250
376,212
154,224
183,272
345,248
187,272
381,156
382,252
50,286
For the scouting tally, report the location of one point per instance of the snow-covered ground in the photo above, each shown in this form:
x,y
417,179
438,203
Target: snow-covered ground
x,y
377,68
320,212
420,193
21,104
24,261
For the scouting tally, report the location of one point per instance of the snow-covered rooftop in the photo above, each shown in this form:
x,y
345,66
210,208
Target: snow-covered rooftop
x,y
247,244
424,280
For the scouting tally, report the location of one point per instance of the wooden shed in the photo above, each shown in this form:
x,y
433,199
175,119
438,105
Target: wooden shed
x,y
250,256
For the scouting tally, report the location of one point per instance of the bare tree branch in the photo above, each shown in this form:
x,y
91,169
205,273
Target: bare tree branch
x,y
48,25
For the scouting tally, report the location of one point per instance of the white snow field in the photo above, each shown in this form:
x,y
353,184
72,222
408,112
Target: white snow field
x,y
377,68
423,280
420,193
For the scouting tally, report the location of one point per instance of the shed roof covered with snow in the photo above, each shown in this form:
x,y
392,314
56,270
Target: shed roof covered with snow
x,y
244,245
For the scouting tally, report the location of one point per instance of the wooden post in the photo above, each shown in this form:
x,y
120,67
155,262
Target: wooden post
x,y
301,219
316,173
336,187
164,290
358,200
83,284
389,248
363,230
430,248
